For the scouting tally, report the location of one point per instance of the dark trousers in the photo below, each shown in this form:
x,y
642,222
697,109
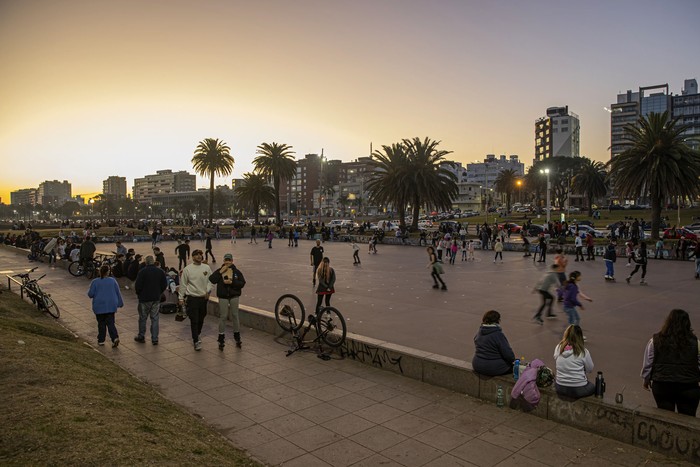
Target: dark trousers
x,y
436,277
579,253
636,268
681,396
590,253
356,257
320,299
197,311
547,300
105,323
182,262
206,256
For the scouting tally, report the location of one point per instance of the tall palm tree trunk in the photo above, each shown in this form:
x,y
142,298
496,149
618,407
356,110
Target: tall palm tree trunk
x,y
655,216
416,213
211,197
278,209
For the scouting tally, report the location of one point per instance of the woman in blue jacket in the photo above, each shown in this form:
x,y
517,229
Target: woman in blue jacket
x,y
493,355
106,298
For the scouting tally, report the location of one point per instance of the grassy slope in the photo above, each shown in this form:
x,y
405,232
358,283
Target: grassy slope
x,y
65,403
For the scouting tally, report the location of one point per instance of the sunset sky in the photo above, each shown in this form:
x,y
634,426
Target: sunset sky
x,y
92,88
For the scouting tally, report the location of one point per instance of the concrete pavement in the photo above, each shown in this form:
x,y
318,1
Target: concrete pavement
x,y
303,411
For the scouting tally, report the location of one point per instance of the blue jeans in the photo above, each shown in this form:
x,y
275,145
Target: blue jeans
x,y
146,310
609,268
572,314
105,323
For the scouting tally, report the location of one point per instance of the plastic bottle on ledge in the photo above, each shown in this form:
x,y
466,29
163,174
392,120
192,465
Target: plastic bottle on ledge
x,y
500,396
516,369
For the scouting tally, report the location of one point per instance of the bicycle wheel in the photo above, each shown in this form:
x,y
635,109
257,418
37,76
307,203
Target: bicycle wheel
x,y
75,269
91,270
50,306
289,313
31,292
330,326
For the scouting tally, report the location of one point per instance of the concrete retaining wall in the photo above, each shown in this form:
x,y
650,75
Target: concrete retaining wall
x,y
646,427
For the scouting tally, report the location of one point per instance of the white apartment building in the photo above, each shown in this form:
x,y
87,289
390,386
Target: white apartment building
x,y
484,173
558,134
163,181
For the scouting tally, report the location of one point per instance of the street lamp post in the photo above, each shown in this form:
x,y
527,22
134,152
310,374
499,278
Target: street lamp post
x,y
549,189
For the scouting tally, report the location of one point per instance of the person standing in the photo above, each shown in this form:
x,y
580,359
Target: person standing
x,y
160,257
573,362
696,250
355,252
670,366
87,251
207,247
436,270
571,301
252,236
590,247
578,242
195,286
498,248
610,256
229,282
326,283
544,287
106,299
640,261
234,234
316,256
183,254
269,238
150,284
542,248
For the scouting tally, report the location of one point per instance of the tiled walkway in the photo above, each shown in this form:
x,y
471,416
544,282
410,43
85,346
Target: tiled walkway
x,y
302,411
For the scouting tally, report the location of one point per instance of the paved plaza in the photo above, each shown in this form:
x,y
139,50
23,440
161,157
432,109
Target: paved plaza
x,y
389,297
302,411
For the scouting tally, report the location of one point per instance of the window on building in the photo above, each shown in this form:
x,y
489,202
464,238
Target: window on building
x,y
564,129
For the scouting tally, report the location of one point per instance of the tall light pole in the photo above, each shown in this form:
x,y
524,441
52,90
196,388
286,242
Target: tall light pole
x,y
320,188
549,189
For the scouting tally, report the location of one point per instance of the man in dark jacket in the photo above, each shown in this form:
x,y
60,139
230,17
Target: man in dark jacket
x,y
150,284
229,281
87,251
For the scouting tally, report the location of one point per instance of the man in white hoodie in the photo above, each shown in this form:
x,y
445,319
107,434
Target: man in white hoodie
x,y
195,286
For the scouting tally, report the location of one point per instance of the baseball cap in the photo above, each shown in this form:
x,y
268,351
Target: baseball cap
x,y
228,256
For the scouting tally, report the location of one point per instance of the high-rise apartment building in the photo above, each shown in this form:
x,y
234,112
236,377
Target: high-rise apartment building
x,y
687,108
163,181
558,134
485,173
630,106
25,196
114,187
54,193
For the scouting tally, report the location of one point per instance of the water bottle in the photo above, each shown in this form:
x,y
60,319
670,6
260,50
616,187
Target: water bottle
x,y
499,396
516,369
599,385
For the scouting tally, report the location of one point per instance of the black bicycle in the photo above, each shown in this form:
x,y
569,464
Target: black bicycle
x,y
328,323
41,299
84,267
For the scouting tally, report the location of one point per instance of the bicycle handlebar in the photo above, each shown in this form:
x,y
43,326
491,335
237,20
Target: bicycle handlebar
x,y
26,274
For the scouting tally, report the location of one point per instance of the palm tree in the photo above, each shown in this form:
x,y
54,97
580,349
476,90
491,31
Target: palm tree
x,y
388,181
212,157
255,193
505,183
431,184
275,163
657,161
590,180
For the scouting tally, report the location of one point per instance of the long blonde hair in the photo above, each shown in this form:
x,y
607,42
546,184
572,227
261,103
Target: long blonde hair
x,y
573,336
324,270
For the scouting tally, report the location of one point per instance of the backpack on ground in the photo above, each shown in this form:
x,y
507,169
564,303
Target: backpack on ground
x,y
525,390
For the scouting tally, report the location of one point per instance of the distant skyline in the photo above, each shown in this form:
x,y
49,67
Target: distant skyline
x,y
93,88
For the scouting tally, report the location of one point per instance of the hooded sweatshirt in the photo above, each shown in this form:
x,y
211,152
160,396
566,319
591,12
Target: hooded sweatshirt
x,y
572,369
493,355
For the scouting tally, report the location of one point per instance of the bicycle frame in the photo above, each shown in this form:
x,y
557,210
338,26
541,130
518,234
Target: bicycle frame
x,y
298,336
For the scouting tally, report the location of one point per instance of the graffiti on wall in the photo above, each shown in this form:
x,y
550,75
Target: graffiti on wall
x,y
662,439
371,355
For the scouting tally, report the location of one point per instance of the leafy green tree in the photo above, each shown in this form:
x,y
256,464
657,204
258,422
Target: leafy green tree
x,y
255,193
535,183
389,180
505,183
591,181
656,160
276,163
212,157
430,183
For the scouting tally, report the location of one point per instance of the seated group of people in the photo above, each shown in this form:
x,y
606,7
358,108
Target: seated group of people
x,y
671,367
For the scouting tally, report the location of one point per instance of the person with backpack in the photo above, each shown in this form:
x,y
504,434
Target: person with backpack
x,y
573,363
493,355
640,259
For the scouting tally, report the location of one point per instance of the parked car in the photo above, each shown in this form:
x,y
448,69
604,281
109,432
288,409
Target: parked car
x,y
535,230
588,229
694,226
682,232
511,226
